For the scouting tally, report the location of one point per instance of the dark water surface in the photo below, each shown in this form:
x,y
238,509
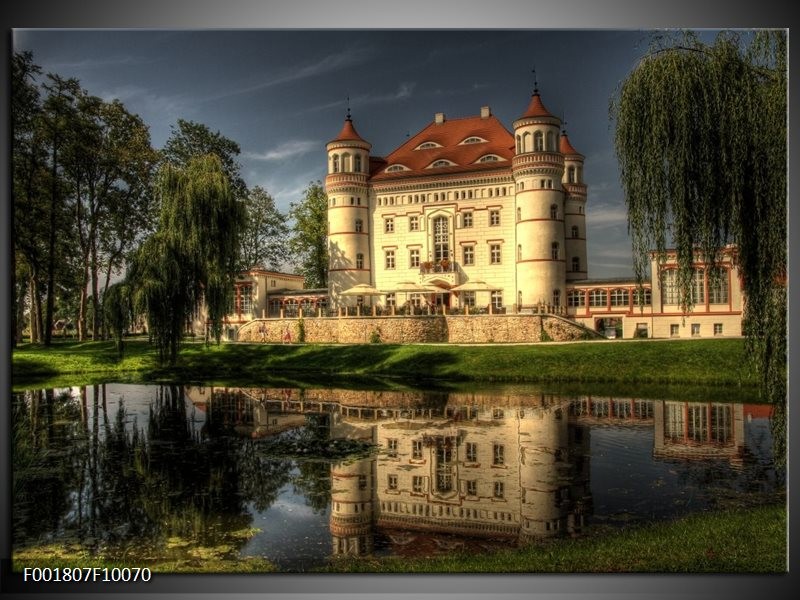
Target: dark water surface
x,y
298,477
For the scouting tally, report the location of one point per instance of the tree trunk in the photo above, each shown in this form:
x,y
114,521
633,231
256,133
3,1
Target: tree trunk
x,y
19,313
51,256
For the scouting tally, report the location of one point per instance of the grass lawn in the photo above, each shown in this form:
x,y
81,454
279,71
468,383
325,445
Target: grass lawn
x,y
713,362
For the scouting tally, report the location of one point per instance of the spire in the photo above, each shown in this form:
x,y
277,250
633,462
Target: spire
x,y
348,132
535,82
536,108
348,118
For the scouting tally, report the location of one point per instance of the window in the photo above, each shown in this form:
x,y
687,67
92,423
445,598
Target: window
x,y
467,219
499,489
245,299
494,218
495,254
489,158
391,445
473,140
413,258
695,329
359,225
498,413
718,286
576,264
359,261
619,297
427,145
554,250
472,488
576,298
469,255
717,328
417,484
413,223
444,474
362,482
442,163
357,163
468,299
575,231
553,211
441,239
551,142
394,168
416,449
673,330
698,286
538,141
519,252
499,453
645,295
669,286
390,259
391,299
388,225
571,174
472,452
597,298
392,482
335,163
497,299
519,215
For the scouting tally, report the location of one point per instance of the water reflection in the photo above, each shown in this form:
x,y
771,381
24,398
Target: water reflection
x,y
203,473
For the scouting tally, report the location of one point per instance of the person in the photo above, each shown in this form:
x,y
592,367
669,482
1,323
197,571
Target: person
x,y
287,337
263,331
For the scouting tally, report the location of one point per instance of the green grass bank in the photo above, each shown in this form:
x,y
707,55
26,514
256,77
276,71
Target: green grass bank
x,y
713,362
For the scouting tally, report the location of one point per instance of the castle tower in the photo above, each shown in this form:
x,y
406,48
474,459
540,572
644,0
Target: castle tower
x,y
348,211
538,170
574,211
351,520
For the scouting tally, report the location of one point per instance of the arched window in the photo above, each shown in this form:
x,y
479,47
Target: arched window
x,y
335,163
519,298
519,147
554,250
538,141
357,161
526,142
519,214
346,162
553,211
551,142
519,252
574,231
441,239
571,174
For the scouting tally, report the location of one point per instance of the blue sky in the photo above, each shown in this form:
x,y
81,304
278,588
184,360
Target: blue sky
x,y
282,94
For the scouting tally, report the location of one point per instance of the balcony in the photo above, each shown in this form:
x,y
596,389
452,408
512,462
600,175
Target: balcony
x,y
444,271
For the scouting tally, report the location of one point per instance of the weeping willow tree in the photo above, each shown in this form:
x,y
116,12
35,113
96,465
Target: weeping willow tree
x,y
118,310
701,139
190,261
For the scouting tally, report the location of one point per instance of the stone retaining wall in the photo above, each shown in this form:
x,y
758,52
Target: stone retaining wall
x,y
457,329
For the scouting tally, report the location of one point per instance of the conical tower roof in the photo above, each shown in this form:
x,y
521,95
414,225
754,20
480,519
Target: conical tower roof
x,y
536,107
566,148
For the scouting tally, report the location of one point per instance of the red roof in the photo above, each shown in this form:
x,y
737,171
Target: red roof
x,y
448,137
348,133
536,108
566,148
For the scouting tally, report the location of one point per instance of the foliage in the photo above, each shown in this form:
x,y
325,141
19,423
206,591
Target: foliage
x,y
301,331
309,241
702,146
191,258
265,239
190,140
118,308
375,336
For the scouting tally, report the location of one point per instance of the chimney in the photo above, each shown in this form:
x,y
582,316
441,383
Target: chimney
x,y
486,112
439,118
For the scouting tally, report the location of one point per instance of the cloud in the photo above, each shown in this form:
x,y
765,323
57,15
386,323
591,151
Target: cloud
x,y
285,150
87,64
606,216
330,63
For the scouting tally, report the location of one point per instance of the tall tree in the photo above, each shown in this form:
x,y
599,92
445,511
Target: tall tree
x,y
107,163
701,141
265,239
192,257
190,140
309,242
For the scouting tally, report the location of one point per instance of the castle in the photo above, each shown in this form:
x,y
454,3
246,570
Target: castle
x,y
469,218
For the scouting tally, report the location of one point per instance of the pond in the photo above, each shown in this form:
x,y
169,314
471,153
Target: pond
x,y
190,475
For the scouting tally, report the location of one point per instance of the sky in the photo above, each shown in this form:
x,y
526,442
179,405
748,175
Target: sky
x,y
283,94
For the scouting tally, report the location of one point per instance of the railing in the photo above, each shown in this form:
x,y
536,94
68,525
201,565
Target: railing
x,y
442,266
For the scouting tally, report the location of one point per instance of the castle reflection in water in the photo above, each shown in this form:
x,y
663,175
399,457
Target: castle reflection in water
x,y
464,470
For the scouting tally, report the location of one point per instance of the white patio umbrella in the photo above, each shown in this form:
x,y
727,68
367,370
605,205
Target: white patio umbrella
x,y
362,289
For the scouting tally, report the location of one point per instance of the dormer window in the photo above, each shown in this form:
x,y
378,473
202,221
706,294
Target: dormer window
x,y
442,163
473,140
395,168
489,158
427,145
